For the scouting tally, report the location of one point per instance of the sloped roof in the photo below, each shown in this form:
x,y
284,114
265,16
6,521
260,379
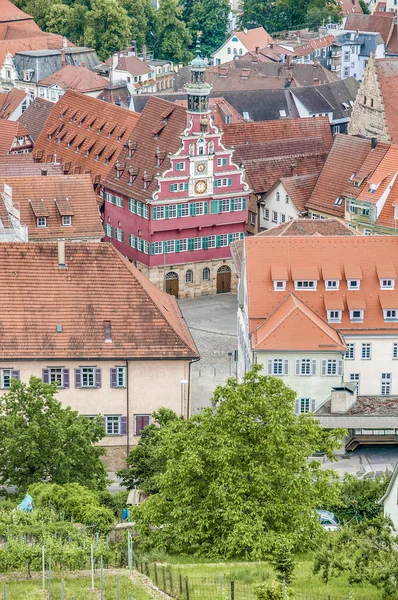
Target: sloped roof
x,y
387,73
22,165
9,130
350,7
219,110
254,38
52,190
97,285
392,46
71,77
294,326
378,22
10,12
132,65
19,29
146,146
344,167
36,42
35,116
299,188
262,131
9,102
345,252
78,118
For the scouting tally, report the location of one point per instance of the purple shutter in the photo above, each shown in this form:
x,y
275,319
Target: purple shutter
x,y
145,421
78,378
270,366
97,378
138,425
65,378
113,378
123,425
46,375
15,374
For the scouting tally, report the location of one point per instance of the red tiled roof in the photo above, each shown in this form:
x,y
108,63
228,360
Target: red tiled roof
x,y
219,108
35,116
387,74
22,165
53,190
254,38
97,285
392,46
313,44
73,77
132,65
9,130
44,41
264,131
80,115
9,102
19,29
349,7
299,188
343,168
348,254
150,136
310,331
379,22
10,12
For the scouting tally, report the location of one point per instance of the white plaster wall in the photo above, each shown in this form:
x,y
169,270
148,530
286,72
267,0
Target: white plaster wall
x,y
279,206
370,370
222,53
391,504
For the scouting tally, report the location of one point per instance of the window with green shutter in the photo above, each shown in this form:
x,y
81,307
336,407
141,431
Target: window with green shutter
x,y
205,207
216,182
177,245
229,181
232,204
218,241
205,243
214,207
243,203
230,238
191,243
186,186
154,213
166,212
178,210
192,209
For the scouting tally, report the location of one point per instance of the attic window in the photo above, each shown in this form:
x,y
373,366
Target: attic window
x,y
119,170
279,286
108,331
345,105
131,148
373,187
352,177
282,113
339,201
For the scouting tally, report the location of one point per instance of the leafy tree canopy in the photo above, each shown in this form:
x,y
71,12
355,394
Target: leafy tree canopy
x,y
145,461
365,552
211,18
237,477
277,15
107,27
41,441
172,35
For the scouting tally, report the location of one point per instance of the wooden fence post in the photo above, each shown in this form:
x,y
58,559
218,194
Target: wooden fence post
x,y
232,590
155,567
186,588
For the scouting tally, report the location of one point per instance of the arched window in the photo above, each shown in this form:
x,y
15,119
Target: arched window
x,y
278,196
189,276
206,274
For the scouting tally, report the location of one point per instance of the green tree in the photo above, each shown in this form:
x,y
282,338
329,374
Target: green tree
x,y
261,13
365,552
211,18
40,10
358,498
317,16
41,441
365,7
142,16
145,461
58,19
107,27
172,35
237,475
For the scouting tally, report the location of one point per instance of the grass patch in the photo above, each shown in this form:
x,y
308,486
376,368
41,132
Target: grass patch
x,y
204,580
77,587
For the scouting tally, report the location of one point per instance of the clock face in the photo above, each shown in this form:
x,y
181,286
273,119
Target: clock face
x,y
201,167
200,187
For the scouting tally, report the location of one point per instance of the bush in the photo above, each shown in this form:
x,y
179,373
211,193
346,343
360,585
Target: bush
x,y
272,591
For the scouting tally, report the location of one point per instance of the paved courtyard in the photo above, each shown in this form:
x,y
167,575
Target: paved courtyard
x,y
212,321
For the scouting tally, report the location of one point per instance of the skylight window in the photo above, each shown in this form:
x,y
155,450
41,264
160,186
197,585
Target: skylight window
x,y
353,284
356,315
305,285
339,201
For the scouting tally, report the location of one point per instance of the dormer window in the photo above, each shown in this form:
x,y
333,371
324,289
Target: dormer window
x,y
66,221
373,187
279,286
41,221
356,315
339,201
332,284
387,284
305,285
390,314
354,284
334,316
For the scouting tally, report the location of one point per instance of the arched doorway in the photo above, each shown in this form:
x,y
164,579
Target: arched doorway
x,y
172,283
223,279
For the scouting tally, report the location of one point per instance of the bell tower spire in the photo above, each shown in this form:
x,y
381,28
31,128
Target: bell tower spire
x,y
198,90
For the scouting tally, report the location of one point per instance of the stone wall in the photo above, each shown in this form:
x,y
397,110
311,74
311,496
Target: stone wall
x,y
115,458
368,115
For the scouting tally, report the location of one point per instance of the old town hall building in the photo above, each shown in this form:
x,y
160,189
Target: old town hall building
x,y
175,200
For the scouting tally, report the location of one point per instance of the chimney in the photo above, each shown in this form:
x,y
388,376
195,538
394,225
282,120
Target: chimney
x,y
61,254
343,397
288,61
271,46
293,167
64,42
83,64
108,331
257,49
144,52
133,47
43,172
63,61
374,143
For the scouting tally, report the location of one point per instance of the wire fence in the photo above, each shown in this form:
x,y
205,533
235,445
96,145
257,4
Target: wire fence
x,y
182,587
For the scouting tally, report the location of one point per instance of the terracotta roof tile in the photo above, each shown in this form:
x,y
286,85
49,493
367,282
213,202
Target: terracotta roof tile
x,y
10,12
346,160
392,46
9,130
350,7
378,22
132,65
43,41
65,124
9,102
153,133
19,29
72,77
254,38
52,196
299,189
387,74
352,255
97,285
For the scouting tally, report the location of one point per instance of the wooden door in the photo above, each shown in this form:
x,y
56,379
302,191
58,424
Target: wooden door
x,y
172,287
223,281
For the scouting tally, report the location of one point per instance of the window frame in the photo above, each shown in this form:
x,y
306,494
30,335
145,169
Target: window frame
x,y
351,286
359,318
88,372
113,420
384,284
366,351
64,223
385,384
2,372
332,284
303,287
279,288
336,318
41,222
350,347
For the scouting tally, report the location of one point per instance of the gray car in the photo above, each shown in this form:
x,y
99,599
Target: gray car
x,y
328,520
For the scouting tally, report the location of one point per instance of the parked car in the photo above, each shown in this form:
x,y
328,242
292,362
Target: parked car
x,y
328,520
